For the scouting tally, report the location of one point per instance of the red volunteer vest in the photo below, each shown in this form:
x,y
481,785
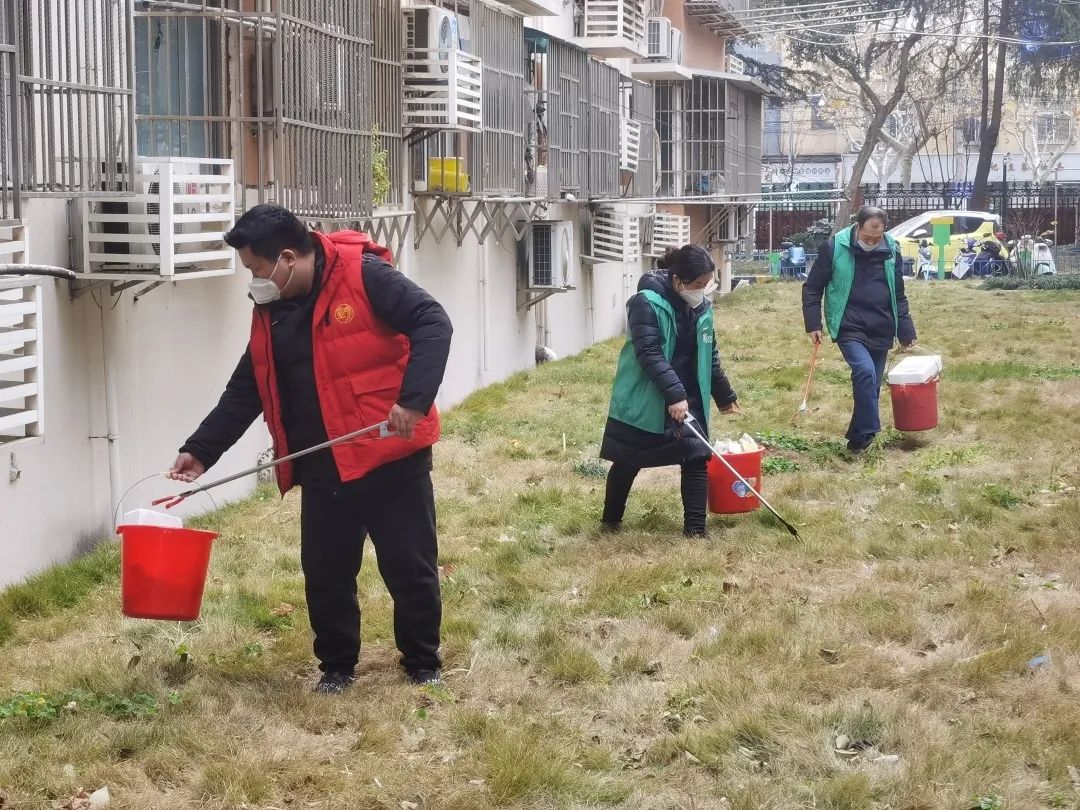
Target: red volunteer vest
x,y
359,366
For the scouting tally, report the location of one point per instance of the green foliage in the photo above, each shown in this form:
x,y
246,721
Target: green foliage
x,y
1059,282
380,170
44,707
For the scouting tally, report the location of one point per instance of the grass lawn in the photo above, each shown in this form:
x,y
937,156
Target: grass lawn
x,y
641,670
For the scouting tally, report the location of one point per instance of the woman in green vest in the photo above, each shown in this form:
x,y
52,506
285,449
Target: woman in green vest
x,y
668,368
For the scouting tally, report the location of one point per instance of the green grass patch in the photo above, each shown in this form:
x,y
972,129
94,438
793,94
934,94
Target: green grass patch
x,y
43,707
774,465
1009,370
58,588
1057,283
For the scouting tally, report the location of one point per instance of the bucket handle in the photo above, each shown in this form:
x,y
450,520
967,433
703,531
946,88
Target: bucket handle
x,y
116,512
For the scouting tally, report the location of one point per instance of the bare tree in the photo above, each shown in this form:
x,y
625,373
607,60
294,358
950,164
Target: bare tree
x,y
878,56
1045,129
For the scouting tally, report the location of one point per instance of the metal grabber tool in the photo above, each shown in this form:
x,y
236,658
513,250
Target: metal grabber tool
x,y
691,423
174,500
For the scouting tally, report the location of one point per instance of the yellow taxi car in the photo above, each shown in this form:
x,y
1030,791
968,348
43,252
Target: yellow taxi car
x,y
977,225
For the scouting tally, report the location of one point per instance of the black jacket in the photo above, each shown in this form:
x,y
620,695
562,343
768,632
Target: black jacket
x,y
676,380
397,302
868,318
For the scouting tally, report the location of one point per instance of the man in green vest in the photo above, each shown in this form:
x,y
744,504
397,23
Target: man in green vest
x,y
859,273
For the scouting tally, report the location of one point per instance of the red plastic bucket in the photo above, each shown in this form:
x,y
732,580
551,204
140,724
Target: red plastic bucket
x,y
727,494
163,571
914,405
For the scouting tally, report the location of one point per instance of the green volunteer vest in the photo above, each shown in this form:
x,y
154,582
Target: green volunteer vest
x,y
635,400
838,289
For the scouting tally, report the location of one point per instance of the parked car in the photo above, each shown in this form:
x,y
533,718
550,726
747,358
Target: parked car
x,y
976,225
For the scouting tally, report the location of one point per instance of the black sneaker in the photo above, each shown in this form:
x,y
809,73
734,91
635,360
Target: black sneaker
x,y
610,526
425,677
334,683
696,533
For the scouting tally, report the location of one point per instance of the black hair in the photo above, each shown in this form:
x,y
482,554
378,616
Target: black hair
x,y
269,229
689,263
869,212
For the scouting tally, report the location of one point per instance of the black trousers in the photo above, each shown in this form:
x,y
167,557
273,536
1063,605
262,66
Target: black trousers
x,y
400,518
695,489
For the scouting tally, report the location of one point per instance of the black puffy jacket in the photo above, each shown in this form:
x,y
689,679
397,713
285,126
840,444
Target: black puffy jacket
x,y
675,379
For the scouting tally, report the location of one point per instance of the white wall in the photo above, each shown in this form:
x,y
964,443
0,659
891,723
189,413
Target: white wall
x,y
175,350
478,285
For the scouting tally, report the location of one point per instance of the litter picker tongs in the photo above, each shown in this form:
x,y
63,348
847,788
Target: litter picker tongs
x,y
170,501
691,423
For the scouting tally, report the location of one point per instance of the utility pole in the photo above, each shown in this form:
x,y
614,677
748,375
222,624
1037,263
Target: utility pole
x,y
1057,168
1005,190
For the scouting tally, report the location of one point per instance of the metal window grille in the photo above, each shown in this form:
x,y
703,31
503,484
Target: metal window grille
x,y
693,151
497,153
10,202
286,94
75,91
642,108
579,100
387,92
603,129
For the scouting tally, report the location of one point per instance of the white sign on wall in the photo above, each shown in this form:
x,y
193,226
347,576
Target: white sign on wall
x,y
804,173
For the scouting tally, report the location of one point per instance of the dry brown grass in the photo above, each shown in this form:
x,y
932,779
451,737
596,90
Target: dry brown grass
x,y
590,670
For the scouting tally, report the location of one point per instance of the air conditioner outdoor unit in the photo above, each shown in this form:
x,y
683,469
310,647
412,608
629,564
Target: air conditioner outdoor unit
x,y
147,215
658,38
669,231
616,234
433,29
172,225
676,46
551,254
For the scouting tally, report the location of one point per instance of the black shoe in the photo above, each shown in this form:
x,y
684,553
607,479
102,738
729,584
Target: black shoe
x,y
425,677
334,683
610,526
698,533
857,448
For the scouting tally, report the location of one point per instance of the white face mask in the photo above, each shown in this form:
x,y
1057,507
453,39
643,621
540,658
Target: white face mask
x,y
696,297
264,290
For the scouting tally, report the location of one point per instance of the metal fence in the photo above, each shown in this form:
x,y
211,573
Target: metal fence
x,y
1025,208
74,85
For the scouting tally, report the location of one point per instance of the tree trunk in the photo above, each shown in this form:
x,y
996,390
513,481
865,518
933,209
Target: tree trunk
x,y
907,159
989,140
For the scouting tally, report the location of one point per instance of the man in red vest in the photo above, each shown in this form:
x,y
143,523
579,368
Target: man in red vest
x,y
340,340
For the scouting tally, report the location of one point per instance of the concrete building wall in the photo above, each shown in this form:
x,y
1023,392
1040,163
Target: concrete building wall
x,y
171,352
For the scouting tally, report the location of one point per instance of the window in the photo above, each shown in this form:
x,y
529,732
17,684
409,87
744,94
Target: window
x,y
1053,128
818,118
964,225
170,86
969,131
